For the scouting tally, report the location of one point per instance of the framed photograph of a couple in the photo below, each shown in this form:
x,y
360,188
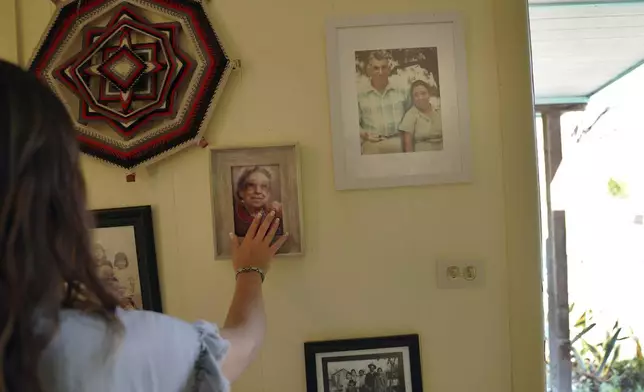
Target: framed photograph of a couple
x,y
399,105
124,248
383,364
247,181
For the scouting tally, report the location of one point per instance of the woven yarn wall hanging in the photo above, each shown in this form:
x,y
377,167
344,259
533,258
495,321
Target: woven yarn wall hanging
x,y
139,77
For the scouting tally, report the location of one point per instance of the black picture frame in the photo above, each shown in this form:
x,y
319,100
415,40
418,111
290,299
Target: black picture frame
x,y
313,349
140,218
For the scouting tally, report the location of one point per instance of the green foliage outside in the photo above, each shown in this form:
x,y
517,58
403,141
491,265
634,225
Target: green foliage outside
x,y
616,188
597,366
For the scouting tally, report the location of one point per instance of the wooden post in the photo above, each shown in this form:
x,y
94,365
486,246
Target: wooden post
x,y
560,366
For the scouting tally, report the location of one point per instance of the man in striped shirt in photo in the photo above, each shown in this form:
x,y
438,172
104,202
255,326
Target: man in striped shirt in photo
x,y
381,108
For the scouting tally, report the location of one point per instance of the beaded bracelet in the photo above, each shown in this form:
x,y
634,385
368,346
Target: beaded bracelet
x,y
250,269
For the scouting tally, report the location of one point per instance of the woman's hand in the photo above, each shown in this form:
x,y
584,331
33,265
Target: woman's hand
x,y
277,207
255,249
245,324
371,137
375,137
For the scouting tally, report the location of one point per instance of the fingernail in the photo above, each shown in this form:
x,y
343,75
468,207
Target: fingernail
x,y
230,235
277,220
271,213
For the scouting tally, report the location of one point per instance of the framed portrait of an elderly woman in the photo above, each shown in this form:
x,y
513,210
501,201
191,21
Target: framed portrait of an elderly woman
x,y
247,181
124,249
398,100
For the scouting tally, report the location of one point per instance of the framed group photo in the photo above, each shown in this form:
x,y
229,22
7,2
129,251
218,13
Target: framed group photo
x,y
247,181
124,250
382,364
399,102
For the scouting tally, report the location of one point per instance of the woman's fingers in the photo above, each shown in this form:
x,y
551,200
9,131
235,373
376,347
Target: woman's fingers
x,y
234,242
252,230
278,244
271,233
263,228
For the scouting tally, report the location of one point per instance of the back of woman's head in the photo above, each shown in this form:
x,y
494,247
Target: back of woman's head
x,y
46,261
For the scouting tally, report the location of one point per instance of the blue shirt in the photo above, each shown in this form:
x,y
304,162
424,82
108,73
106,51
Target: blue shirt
x,y
156,353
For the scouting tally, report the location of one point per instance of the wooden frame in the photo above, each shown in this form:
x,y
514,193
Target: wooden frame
x,y
441,32
323,357
140,219
284,161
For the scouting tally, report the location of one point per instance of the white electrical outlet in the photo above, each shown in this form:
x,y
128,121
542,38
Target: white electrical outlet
x,y
460,275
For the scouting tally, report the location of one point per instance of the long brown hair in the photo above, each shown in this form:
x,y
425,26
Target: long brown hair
x,y
46,259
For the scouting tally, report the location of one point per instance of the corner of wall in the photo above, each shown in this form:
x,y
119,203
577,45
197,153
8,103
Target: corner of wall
x,y
521,196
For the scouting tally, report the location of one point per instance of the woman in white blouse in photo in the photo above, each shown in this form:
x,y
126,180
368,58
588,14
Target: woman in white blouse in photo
x,y
421,127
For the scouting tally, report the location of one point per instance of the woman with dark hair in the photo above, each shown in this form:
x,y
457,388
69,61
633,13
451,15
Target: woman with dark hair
x,y
61,328
253,196
351,387
381,381
354,375
421,127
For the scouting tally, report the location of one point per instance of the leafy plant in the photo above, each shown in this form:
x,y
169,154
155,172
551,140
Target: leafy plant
x,y
597,368
599,364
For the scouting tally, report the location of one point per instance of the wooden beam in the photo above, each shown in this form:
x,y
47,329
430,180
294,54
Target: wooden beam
x,y
560,107
552,143
540,101
560,366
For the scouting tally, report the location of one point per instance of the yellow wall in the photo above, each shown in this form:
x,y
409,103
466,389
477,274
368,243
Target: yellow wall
x,y
8,40
369,264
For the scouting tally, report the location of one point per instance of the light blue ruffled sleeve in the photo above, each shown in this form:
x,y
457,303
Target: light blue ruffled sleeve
x,y
209,376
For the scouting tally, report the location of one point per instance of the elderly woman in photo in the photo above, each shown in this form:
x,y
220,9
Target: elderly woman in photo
x,y
128,277
421,127
99,254
253,196
106,274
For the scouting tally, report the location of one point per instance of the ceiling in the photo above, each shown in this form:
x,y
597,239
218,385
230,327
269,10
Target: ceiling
x,y
576,2
578,47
